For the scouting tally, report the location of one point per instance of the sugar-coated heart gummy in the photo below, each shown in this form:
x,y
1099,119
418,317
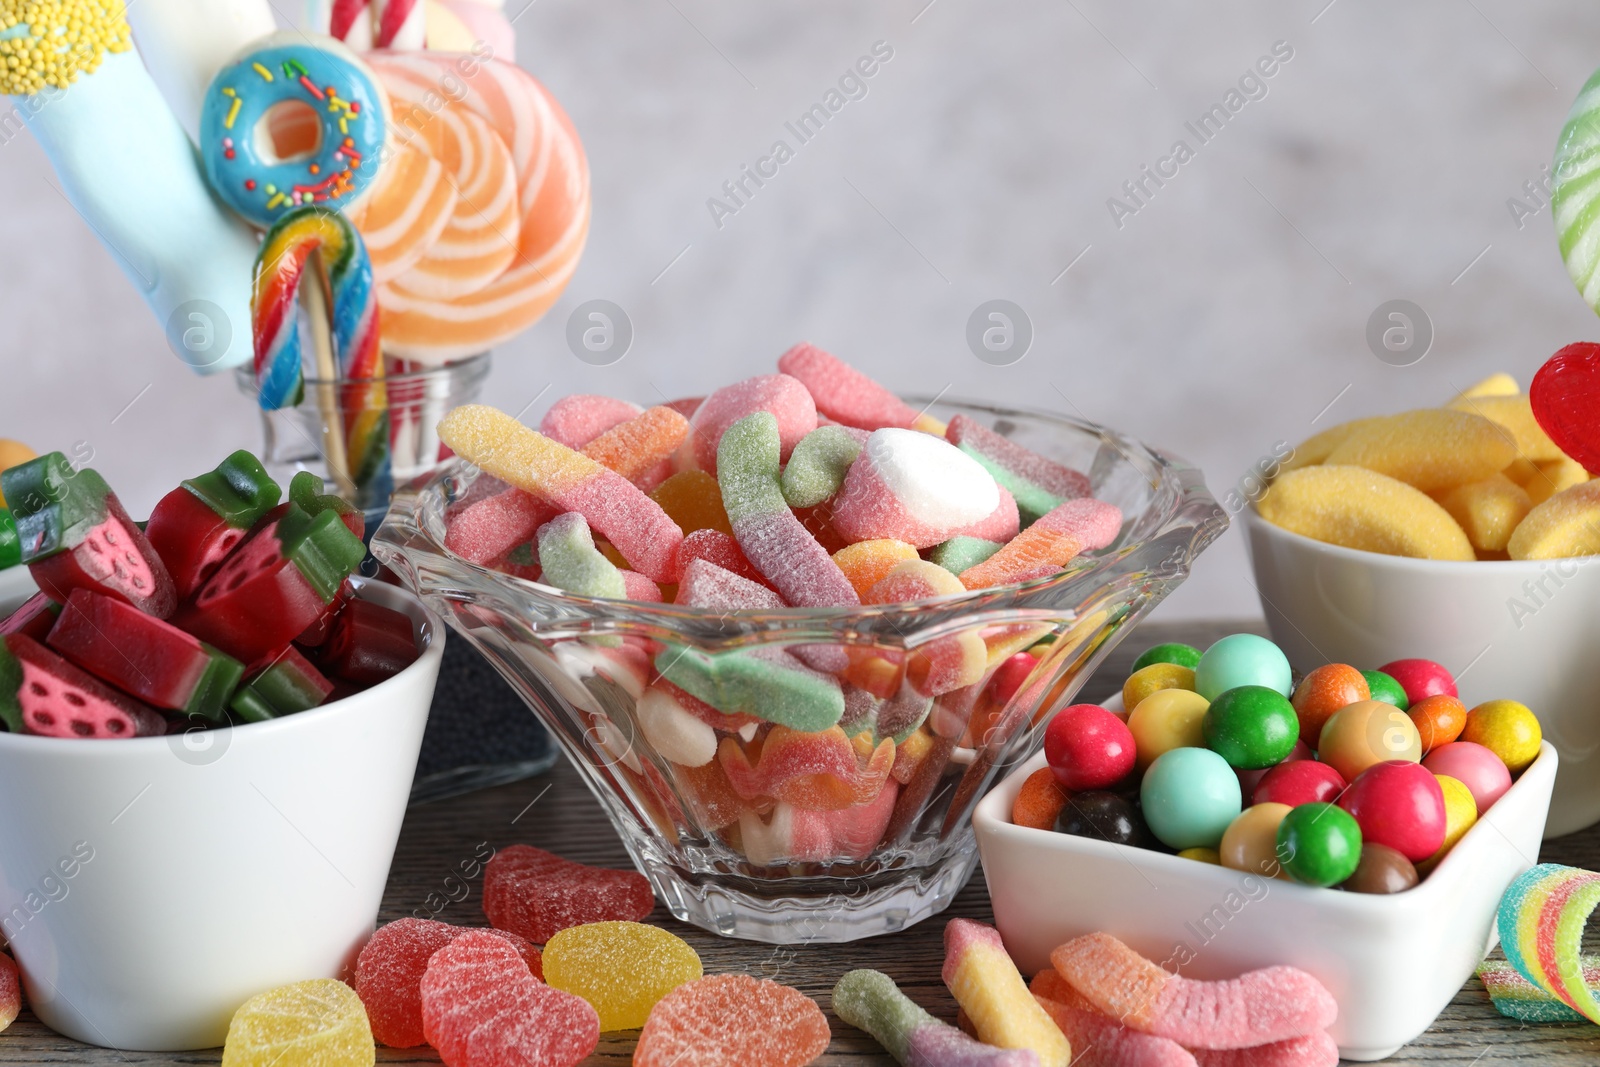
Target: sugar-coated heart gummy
x,y
536,893
732,1020
320,1023
622,968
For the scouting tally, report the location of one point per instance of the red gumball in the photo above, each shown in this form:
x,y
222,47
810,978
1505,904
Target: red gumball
x,y
1420,678
1398,803
1248,780
1088,747
1300,782
1009,676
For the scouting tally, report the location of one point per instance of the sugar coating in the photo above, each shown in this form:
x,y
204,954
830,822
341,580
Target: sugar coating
x,y
984,981
319,1023
535,893
10,990
723,551
481,530
1567,524
635,447
389,974
914,487
1430,449
1359,508
637,587
673,731
732,1020
843,393
866,563
1308,1050
775,542
1515,413
768,683
1551,477
1541,923
817,467
1101,1041
1049,544
820,771
1039,801
693,500
1258,1007
1001,524
962,553
1487,511
1038,484
1517,998
1316,448
571,562
621,968
482,1008
914,579
779,395
576,420
706,585
870,1001
846,834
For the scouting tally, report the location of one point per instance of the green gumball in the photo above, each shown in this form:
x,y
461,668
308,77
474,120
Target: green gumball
x,y
1171,652
1383,687
1319,844
1251,727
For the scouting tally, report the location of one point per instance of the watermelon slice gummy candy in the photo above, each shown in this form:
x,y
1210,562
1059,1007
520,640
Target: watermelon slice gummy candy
x,y
194,527
284,685
41,693
368,643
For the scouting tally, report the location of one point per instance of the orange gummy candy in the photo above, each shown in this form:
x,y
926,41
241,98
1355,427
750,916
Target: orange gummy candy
x,y
694,500
866,563
634,447
823,771
732,1020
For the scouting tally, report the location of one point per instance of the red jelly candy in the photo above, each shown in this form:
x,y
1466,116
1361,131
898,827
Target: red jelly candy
x,y
369,643
732,1020
194,527
538,894
1565,395
34,618
142,655
481,1007
1420,678
41,693
390,968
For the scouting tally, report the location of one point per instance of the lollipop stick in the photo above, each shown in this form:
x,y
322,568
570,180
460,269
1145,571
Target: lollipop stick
x,y
314,297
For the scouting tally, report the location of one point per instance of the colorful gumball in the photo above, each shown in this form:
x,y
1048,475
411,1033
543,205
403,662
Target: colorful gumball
x,y
1165,720
1299,782
1319,844
1323,692
1439,720
1242,659
1460,814
1475,767
1154,678
1381,870
1189,796
1251,841
1039,801
1506,728
1251,727
1400,804
1103,816
1386,689
1249,780
1168,652
1420,678
1088,747
1367,733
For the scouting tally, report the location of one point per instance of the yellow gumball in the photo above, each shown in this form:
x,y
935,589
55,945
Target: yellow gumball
x,y
1460,813
1365,733
1201,854
1508,729
1157,676
1250,843
1168,719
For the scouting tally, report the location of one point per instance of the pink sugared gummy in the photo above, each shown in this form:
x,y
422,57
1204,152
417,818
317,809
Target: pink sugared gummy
x,y
913,487
60,700
578,419
389,974
785,397
719,548
634,524
783,550
1308,1050
732,1020
1001,524
482,1007
1098,1041
706,585
843,393
488,528
538,894
851,833
641,588
1047,474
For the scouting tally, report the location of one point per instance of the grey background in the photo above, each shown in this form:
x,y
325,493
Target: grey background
x,y
1226,315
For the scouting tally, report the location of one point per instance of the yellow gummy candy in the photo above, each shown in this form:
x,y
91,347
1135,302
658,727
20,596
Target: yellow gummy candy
x,y
693,500
1314,450
1363,509
1487,511
866,563
1430,449
1568,524
320,1023
1521,471
1554,476
1501,384
621,968
1515,413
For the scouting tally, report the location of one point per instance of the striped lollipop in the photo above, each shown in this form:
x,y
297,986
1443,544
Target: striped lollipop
x,y
1575,203
1542,917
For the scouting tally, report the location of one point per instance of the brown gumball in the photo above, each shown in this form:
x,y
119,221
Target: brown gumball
x,y
1381,870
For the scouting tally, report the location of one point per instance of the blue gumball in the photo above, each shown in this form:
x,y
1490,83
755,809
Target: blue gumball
x,y
1242,659
1189,796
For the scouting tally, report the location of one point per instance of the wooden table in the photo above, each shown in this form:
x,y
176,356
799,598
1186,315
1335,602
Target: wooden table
x,y
555,811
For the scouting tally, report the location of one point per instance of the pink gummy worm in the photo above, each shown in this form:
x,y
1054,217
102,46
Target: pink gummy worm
x,y
843,393
779,546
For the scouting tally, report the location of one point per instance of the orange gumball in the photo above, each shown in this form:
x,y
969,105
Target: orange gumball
x,y
1039,801
1366,733
1323,692
1439,720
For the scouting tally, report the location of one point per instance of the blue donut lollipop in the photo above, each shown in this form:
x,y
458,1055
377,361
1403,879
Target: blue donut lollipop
x,y
322,97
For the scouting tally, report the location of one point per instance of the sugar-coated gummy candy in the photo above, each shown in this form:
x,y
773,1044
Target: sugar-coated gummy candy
x,y
1517,998
732,1020
1514,412
1165,720
843,393
571,562
1100,1041
693,500
482,1007
1039,801
1541,924
1567,524
1319,844
818,464
1487,511
1359,508
962,553
1366,733
1460,815
870,1001
1430,449
10,991
1323,691
913,487
1174,652
773,539
999,526
1153,678
706,585
1087,747
319,1022
637,448
1315,449
483,528
721,549
1037,483
1439,720
821,771
389,973
576,420
1477,768
866,563
1381,870
536,893
984,981
1250,843
1553,476
1189,796
621,968
1256,1008
784,398
1242,659
1251,726
769,683
1508,729
1049,544
1400,804
41,693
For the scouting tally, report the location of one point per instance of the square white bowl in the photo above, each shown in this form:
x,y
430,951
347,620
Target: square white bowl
x,y
1392,962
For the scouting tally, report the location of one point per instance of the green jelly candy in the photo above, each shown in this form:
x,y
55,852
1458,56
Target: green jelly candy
x,y
817,466
1383,687
305,489
54,506
1319,844
322,547
962,553
1251,727
10,546
287,685
870,1001
571,562
239,489
1174,652
768,683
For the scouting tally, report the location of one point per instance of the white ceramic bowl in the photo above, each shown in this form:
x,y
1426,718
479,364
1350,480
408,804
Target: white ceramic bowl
x,y
1515,630
149,887
1392,962
16,586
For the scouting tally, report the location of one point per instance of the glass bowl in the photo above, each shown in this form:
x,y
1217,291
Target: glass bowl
x,y
861,829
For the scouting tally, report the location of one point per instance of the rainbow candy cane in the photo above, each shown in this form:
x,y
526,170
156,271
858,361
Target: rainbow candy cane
x,y
1541,923
344,278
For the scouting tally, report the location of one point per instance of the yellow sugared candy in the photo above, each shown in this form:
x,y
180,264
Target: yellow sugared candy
x,y
1315,450
1201,854
1147,680
866,563
1487,511
621,968
1553,476
319,1023
1431,449
1568,524
1460,813
1363,509
1508,729
1515,413
11,454
1165,720
60,40
1501,384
